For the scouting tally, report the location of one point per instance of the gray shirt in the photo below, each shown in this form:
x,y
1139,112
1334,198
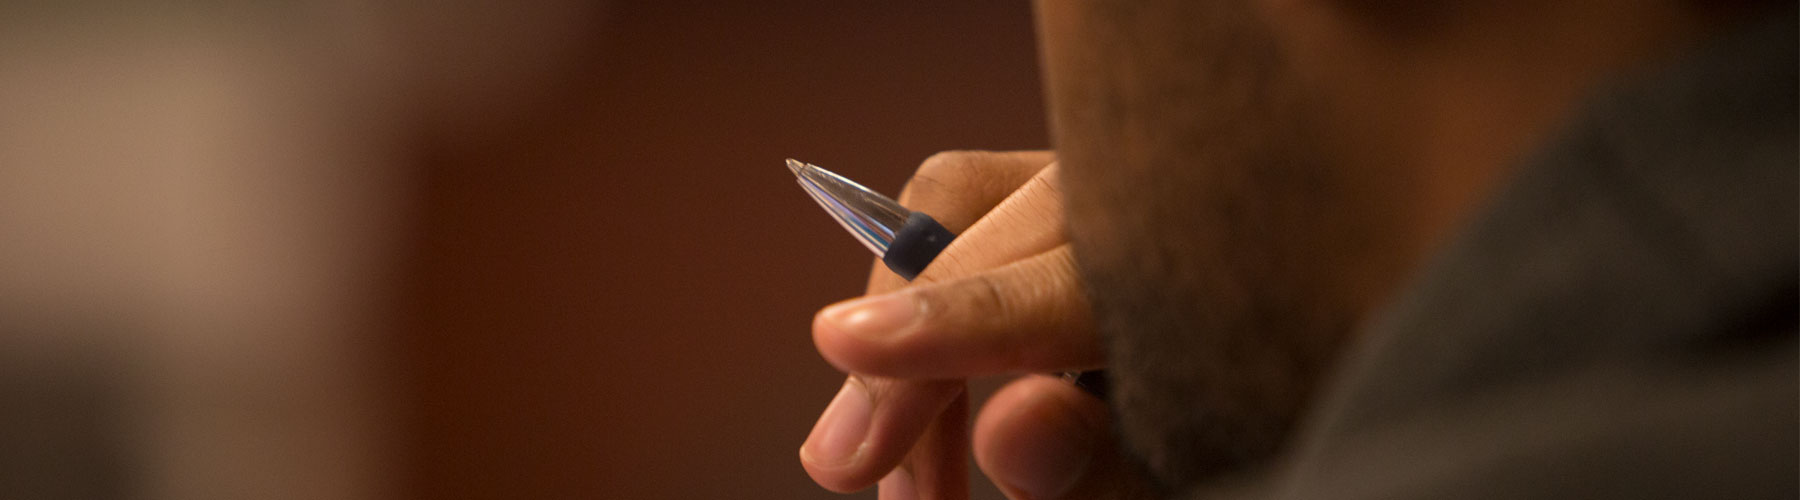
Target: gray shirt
x,y
1620,321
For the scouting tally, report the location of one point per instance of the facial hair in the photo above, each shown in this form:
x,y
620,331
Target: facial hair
x,y
1202,216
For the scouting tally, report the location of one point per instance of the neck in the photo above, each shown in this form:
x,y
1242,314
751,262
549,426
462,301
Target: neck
x,y
1431,108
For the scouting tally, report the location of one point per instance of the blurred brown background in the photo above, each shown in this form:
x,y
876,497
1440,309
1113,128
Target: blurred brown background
x,y
468,249
609,289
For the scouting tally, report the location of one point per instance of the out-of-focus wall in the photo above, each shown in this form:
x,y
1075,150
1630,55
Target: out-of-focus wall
x,y
460,249
611,292
197,218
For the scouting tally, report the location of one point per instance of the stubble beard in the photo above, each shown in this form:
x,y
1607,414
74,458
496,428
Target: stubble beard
x,y
1199,209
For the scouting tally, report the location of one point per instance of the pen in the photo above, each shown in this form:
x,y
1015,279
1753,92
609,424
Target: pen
x,y
906,241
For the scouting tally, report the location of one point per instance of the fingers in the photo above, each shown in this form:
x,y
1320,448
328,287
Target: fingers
x,y
938,466
959,187
1030,315
874,422
1026,223
898,485
870,426
1042,439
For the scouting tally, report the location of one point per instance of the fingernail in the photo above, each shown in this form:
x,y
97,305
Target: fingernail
x,y
839,434
1047,468
898,485
878,316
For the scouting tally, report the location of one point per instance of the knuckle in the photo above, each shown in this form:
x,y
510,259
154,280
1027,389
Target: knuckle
x,y
878,388
985,298
951,160
957,305
991,296
965,314
946,172
1050,181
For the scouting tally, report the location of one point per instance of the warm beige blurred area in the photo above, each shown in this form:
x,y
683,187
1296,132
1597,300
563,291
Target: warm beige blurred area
x,y
543,249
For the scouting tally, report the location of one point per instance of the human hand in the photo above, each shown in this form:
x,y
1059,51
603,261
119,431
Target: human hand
x,y
1004,297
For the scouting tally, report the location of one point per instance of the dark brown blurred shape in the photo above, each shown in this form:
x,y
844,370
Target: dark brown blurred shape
x,y
613,276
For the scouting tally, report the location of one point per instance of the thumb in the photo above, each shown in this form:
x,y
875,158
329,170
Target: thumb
x,y
1030,315
1040,438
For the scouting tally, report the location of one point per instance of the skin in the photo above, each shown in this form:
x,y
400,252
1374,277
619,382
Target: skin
x,y
1237,186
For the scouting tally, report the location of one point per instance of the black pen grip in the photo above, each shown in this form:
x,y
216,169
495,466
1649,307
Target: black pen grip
x,y
915,245
919,241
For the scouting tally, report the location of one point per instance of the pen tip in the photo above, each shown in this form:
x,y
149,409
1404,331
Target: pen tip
x,y
795,165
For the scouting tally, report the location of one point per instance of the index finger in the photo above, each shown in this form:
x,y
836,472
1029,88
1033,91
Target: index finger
x,y
957,188
1028,222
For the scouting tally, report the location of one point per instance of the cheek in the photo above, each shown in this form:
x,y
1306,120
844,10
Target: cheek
x,y
1098,225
